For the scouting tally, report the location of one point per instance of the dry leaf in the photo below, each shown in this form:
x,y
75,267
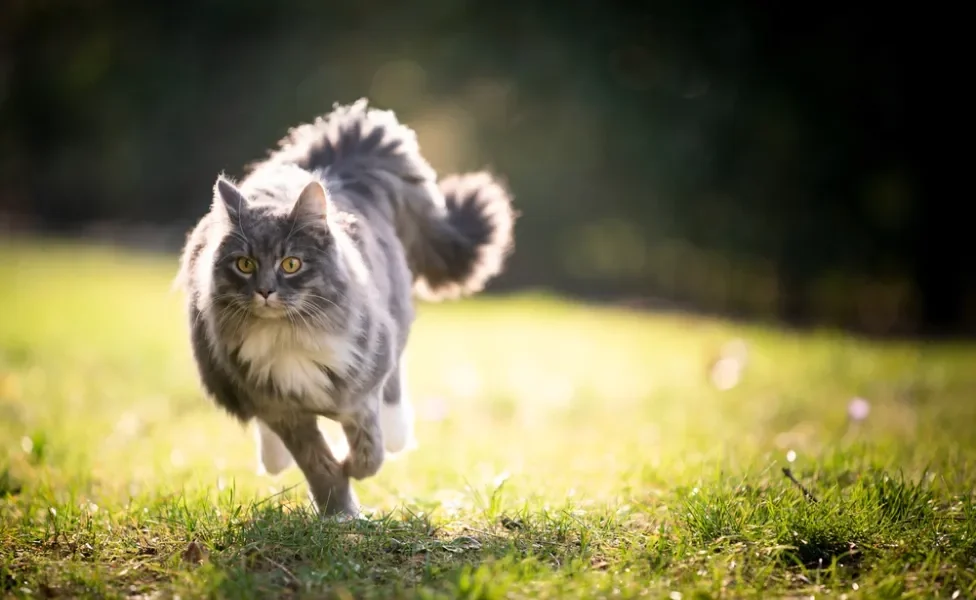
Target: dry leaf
x,y
195,553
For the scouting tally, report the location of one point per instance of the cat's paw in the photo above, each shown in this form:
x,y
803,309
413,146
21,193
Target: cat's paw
x,y
363,463
338,504
397,424
273,457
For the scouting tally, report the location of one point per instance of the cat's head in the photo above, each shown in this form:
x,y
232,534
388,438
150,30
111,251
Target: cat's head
x,y
276,259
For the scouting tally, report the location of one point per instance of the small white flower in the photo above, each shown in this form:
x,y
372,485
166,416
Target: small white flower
x,y
790,456
858,409
726,373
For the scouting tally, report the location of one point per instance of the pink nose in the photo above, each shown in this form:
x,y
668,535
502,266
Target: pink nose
x,y
265,293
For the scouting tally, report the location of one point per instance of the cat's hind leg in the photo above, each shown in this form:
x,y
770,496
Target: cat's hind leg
x,y
396,414
273,456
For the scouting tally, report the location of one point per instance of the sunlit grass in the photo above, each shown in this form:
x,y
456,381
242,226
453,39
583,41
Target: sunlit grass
x,y
565,451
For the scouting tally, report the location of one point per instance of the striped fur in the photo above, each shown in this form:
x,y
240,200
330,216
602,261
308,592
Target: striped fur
x,y
352,199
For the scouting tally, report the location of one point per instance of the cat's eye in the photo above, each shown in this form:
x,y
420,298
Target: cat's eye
x,y
246,265
291,265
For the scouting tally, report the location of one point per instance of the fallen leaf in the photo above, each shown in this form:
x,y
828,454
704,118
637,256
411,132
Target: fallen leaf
x,y
599,564
195,553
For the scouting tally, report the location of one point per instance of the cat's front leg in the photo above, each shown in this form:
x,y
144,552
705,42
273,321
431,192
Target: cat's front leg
x,y
365,443
328,483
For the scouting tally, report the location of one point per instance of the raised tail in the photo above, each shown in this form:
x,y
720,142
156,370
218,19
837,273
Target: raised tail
x,y
355,144
456,233
466,244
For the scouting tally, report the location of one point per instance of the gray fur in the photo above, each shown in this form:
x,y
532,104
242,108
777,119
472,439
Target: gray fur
x,y
350,196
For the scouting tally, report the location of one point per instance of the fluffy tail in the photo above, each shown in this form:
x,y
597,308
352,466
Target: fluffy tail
x,y
457,234
466,243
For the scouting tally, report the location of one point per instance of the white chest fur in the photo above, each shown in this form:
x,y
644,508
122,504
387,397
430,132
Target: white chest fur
x,y
295,359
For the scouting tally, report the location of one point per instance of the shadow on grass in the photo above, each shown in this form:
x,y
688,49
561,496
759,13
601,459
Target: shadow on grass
x,y
722,537
210,544
280,552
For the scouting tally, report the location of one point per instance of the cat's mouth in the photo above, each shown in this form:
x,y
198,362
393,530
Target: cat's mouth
x,y
268,312
268,308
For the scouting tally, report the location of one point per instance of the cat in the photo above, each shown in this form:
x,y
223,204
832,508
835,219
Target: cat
x,y
300,282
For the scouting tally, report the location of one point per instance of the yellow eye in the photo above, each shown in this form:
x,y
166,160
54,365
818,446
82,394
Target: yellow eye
x,y
291,265
246,265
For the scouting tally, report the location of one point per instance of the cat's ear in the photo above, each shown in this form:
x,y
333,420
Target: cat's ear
x,y
228,200
312,203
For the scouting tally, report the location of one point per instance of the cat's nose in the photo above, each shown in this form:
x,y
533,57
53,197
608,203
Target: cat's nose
x,y
265,292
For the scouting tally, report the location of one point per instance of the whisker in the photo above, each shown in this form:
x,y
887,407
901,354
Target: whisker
x,y
240,220
209,303
298,314
323,298
307,224
319,316
240,237
315,313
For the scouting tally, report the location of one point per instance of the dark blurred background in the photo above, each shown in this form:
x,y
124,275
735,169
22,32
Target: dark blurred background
x,y
750,160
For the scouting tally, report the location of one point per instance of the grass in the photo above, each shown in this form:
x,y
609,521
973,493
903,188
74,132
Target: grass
x,y
565,452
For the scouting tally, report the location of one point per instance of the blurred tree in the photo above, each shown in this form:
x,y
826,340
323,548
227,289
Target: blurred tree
x,y
735,157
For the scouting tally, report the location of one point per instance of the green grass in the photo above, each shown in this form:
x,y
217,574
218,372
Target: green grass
x,y
565,451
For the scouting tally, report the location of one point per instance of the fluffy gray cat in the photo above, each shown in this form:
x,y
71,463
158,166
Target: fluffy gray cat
x,y
300,280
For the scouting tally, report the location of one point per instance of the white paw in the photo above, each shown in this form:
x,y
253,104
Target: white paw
x,y
274,457
397,422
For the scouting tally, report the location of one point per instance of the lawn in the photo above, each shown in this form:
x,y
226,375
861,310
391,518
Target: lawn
x,y
565,451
